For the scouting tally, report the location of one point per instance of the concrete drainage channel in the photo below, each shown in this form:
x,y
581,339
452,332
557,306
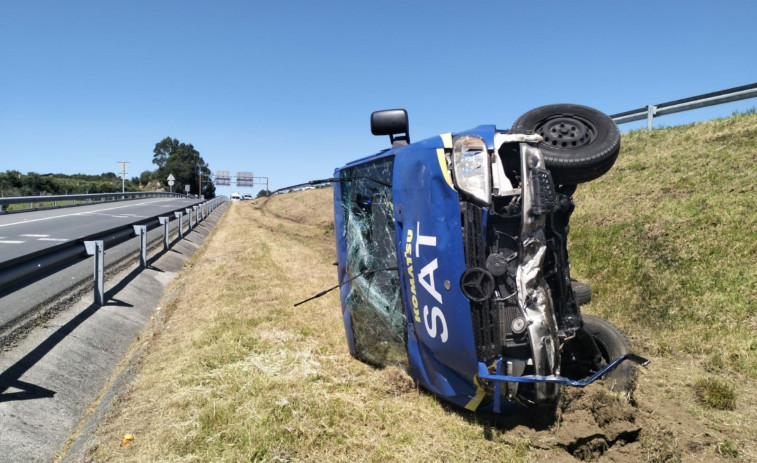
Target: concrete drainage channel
x,y
53,383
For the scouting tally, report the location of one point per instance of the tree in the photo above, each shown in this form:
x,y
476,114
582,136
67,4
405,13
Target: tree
x,y
185,163
145,177
263,193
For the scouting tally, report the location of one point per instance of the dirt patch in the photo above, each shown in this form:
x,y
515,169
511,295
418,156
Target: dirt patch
x,y
594,424
398,381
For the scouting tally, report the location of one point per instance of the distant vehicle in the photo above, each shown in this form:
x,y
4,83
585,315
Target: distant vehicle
x,y
235,197
247,196
453,261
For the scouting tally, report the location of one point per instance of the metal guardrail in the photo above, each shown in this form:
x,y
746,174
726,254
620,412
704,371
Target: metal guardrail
x,y
50,260
685,104
87,198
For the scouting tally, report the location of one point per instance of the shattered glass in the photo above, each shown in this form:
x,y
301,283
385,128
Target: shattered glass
x,y
374,300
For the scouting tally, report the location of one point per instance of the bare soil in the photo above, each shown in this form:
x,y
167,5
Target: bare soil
x,y
659,422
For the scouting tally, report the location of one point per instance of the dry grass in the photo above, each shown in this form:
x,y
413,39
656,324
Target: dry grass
x,y
235,373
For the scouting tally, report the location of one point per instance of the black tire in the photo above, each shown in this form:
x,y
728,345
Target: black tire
x,y
582,291
598,343
580,143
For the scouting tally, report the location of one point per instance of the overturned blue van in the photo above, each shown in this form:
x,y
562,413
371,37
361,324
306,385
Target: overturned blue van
x,y
453,264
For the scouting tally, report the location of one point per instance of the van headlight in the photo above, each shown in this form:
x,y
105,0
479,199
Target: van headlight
x,y
470,162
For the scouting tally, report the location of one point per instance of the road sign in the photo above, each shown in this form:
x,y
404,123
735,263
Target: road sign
x,y
186,188
171,178
223,178
170,182
245,179
123,165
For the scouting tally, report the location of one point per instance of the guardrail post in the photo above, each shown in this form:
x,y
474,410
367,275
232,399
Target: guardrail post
x,y
141,231
164,221
180,216
651,112
189,218
197,215
97,249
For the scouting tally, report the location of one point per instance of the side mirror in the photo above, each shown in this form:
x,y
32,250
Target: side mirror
x,y
391,122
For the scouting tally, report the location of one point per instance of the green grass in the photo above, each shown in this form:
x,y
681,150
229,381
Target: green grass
x,y
715,393
668,241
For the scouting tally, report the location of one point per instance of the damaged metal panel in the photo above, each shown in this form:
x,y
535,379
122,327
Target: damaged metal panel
x,y
533,292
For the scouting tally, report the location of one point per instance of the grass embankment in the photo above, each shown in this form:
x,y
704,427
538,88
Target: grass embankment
x,y
668,240
232,372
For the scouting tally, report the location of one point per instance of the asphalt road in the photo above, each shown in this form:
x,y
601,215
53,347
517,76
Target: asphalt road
x,y
28,232
51,381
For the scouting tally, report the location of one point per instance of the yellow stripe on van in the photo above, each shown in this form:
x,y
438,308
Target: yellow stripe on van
x,y
443,165
473,404
447,140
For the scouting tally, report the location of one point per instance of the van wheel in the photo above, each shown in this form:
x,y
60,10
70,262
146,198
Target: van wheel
x,y
598,343
580,143
582,291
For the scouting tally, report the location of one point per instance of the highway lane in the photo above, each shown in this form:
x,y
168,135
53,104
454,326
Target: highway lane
x,y
27,232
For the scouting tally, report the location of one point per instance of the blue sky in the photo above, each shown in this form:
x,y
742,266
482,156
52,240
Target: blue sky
x,y
285,89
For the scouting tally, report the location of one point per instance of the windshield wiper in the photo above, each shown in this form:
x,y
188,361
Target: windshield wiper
x,y
323,293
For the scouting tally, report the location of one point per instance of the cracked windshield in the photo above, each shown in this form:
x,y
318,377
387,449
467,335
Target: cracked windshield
x,y
374,301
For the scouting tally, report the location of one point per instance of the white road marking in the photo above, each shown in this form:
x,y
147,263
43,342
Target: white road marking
x,y
11,242
53,239
34,236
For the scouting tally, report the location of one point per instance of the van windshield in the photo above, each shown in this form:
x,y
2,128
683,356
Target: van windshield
x,y
374,301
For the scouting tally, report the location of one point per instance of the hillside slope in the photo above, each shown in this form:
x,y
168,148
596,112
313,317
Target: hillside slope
x,y
668,240
231,371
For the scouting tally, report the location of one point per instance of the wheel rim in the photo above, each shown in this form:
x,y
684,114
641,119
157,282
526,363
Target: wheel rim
x,y
604,349
566,131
